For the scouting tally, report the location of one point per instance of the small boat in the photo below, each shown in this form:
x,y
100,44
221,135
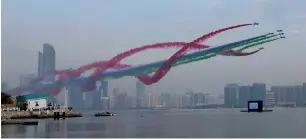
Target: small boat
x,y
104,114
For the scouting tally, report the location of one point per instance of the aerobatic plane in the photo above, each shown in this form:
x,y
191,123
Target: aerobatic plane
x,y
255,23
280,30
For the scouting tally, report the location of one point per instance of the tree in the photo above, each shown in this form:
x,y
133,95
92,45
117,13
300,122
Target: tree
x,y
6,99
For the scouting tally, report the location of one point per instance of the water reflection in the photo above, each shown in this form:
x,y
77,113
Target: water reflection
x,y
197,123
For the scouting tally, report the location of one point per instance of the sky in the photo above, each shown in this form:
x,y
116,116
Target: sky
x,y
84,31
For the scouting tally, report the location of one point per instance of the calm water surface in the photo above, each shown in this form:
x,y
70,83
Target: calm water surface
x,y
172,123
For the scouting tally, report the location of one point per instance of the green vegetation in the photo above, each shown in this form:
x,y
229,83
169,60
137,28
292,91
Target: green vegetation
x,y
6,99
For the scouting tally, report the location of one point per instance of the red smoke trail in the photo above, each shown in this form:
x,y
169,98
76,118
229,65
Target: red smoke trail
x,y
167,65
235,53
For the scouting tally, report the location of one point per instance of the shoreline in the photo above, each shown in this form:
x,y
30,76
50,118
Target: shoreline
x,y
43,114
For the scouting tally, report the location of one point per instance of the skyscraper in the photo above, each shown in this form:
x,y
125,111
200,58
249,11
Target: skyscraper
x,y
298,94
244,96
280,94
199,98
103,90
304,92
186,100
140,91
165,99
104,87
121,101
96,97
270,98
40,64
46,61
88,102
75,96
288,94
258,92
113,99
230,95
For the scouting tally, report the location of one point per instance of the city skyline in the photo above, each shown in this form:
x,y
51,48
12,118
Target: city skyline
x,y
32,28
234,95
238,96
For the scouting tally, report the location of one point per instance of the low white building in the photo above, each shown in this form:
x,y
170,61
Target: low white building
x,y
34,101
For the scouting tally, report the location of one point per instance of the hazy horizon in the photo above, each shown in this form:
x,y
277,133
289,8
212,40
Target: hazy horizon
x,y
86,31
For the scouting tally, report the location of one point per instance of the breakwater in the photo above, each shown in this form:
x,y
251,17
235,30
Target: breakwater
x,y
39,114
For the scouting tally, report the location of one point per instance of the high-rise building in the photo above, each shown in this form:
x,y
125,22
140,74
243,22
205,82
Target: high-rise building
x,y
179,101
140,92
75,96
230,95
209,99
121,101
97,97
175,101
26,79
46,61
244,96
165,99
220,98
105,95
186,100
88,101
288,95
304,92
258,92
40,64
280,93
299,95
149,100
199,99
192,98
270,98
129,101
113,99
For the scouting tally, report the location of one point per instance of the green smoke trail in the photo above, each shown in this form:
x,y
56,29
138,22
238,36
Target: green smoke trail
x,y
246,45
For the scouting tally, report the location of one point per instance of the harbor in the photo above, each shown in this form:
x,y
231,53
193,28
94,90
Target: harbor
x,y
33,106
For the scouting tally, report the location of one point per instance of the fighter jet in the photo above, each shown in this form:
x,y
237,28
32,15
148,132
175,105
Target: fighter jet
x,y
279,30
270,33
282,37
281,33
255,23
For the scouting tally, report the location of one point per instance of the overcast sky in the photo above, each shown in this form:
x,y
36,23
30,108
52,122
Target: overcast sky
x,y
83,31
